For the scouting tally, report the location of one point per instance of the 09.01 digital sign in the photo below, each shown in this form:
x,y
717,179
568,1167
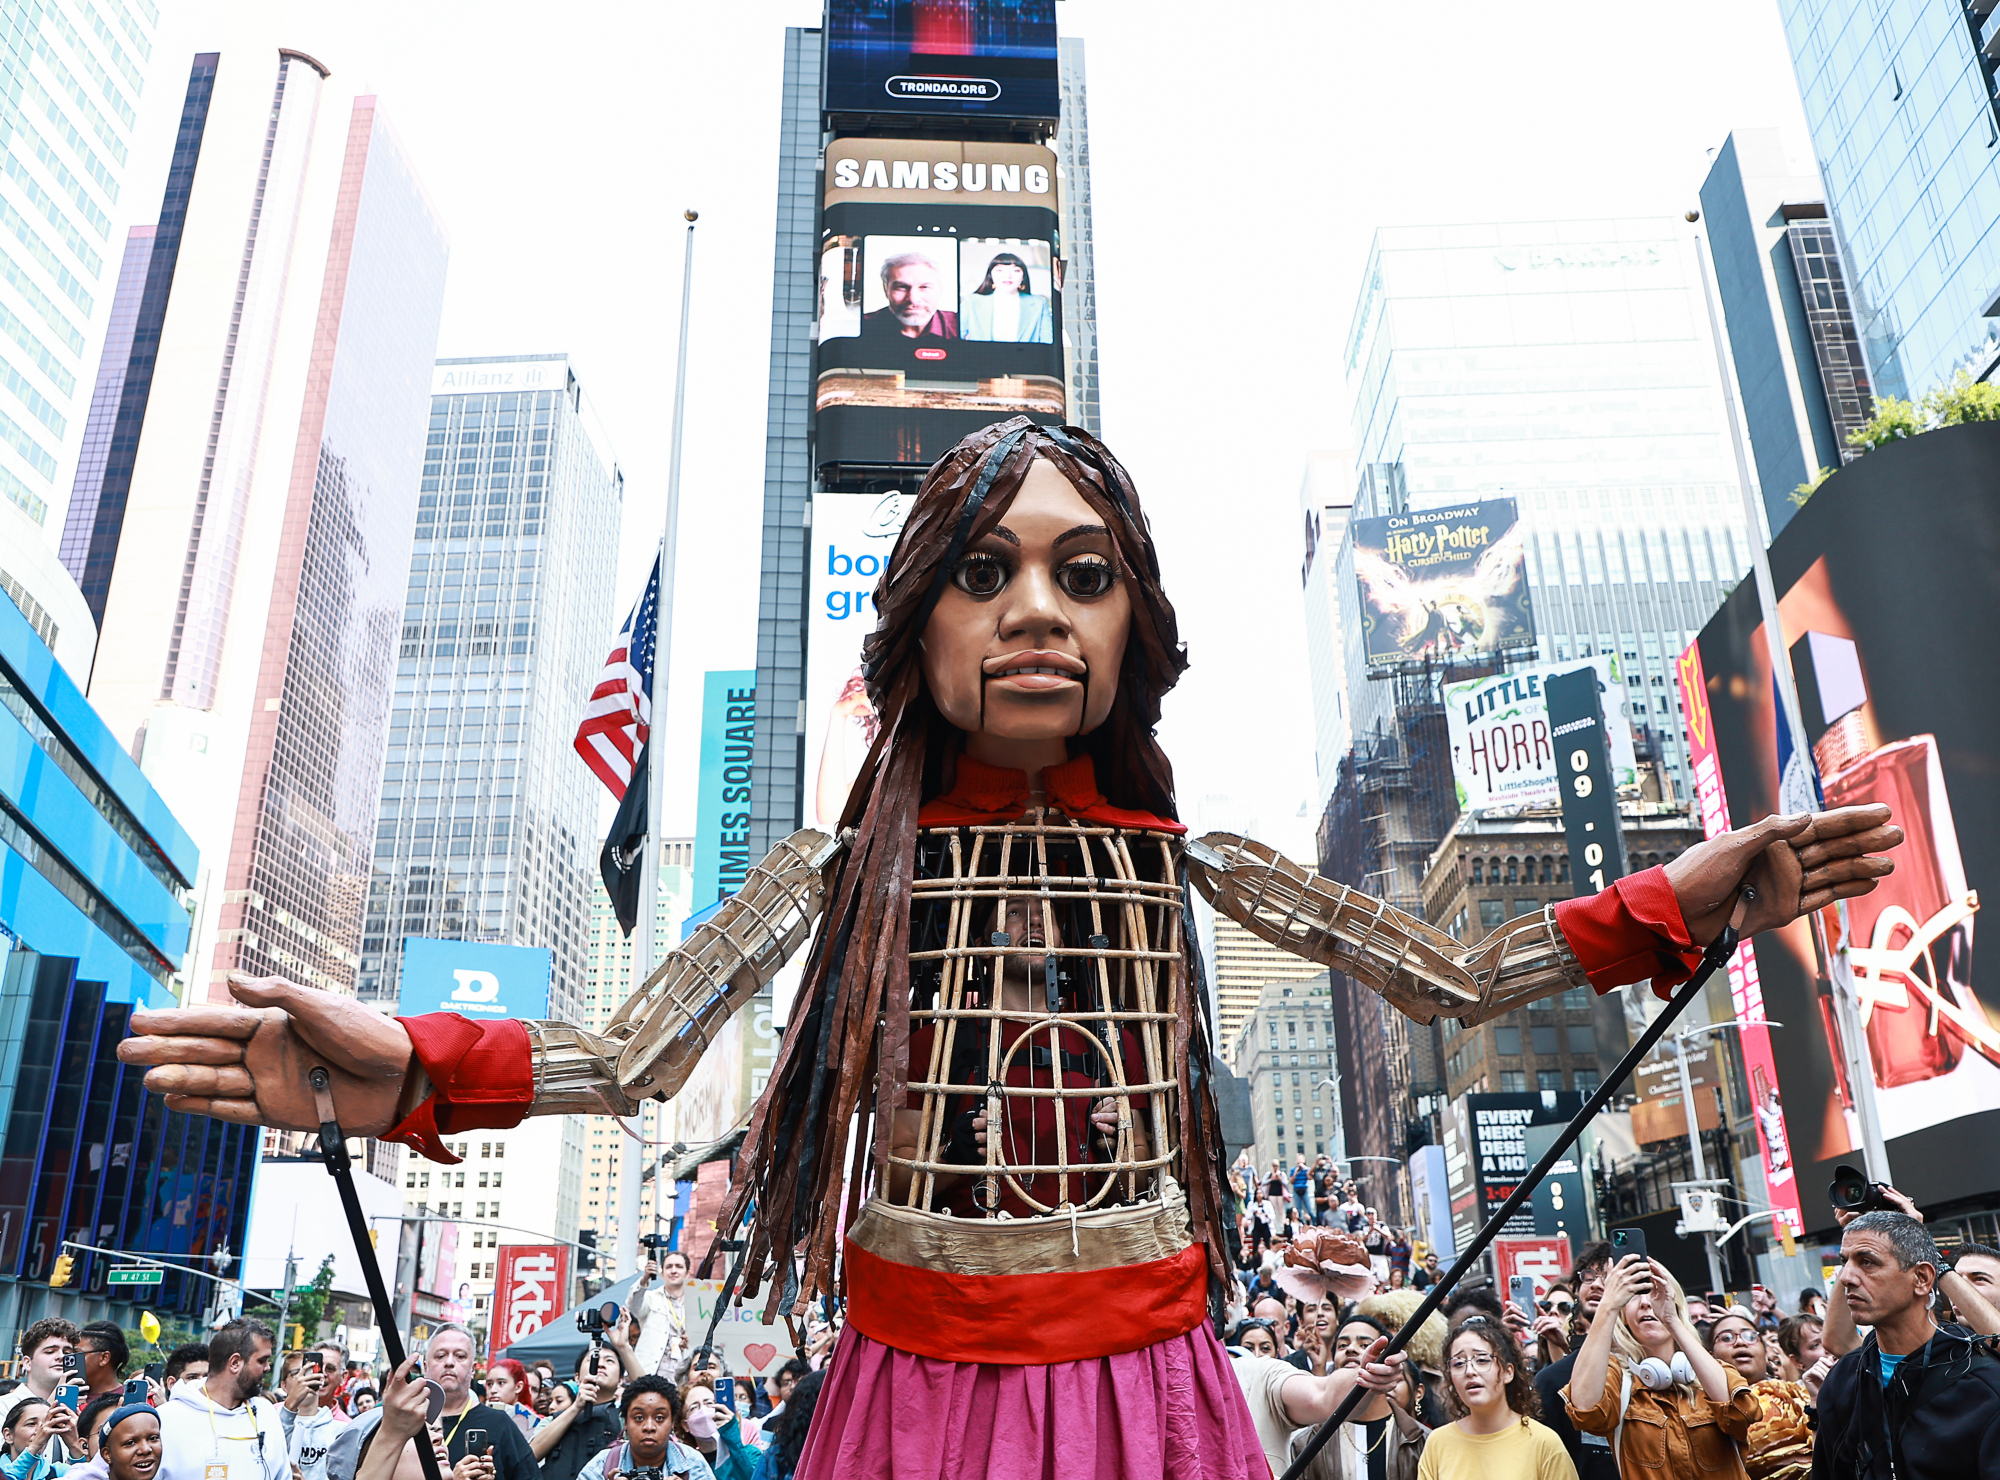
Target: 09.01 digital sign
x,y
939,297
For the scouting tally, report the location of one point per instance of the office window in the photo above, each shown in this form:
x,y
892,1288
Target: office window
x,y
1548,1079
1582,1040
1544,1041
1507,1040
1587,1081
1492,914
1512,1081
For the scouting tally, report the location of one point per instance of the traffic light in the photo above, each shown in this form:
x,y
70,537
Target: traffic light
x,y
586,1257
61,1273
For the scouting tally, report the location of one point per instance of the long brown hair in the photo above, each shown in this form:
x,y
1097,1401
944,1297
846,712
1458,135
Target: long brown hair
x,y
857,974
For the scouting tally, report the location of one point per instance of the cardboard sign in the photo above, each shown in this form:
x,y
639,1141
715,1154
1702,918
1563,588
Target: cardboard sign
x,y
750,1346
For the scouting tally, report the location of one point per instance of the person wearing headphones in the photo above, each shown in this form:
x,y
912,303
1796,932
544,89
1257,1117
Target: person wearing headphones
x,y
1644,1378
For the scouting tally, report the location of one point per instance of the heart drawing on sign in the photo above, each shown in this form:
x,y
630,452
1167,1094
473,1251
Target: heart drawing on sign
x,y
760,1354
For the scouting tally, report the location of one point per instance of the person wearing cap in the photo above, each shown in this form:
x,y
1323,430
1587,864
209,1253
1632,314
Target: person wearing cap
x,y
130,1443
222,1430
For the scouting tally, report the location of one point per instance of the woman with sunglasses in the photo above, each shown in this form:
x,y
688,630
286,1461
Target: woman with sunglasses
x,y
1494,1435
1551,1326
1779,1445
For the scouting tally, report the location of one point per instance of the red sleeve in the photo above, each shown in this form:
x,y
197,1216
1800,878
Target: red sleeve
x,y
1630,932
482,1078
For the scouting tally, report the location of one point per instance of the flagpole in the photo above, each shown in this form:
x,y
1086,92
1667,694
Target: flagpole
x,y
648,950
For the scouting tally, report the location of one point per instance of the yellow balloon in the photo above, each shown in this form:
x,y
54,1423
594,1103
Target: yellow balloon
x,y
149,1325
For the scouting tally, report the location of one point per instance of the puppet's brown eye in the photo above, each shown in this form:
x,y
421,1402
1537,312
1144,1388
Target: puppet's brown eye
x,y
980,575
1087,578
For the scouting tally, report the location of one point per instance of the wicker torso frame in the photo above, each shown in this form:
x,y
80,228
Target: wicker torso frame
x,y
1108,903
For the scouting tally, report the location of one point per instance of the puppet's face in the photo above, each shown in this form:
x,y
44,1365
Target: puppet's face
x,y
1027,640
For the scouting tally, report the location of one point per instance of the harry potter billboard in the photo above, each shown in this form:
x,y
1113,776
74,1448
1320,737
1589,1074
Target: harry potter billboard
x,y
1443,583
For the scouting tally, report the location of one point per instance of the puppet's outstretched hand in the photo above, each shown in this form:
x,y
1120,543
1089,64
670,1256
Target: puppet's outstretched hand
x,y
1783,868
249,1064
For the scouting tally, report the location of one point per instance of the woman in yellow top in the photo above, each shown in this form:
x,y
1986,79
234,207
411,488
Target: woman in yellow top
x,y
1644,1378
1495,1436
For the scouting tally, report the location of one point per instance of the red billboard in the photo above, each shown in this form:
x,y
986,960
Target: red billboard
x,y
1746,992
530,1290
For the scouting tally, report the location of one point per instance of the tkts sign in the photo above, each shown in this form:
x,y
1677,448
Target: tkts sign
x,y
530,1291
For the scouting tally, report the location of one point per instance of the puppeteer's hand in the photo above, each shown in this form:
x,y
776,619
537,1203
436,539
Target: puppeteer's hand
x,y
249,1064
1793,865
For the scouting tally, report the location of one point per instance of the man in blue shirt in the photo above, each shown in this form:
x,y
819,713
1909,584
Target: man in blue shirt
x,y
1302,1190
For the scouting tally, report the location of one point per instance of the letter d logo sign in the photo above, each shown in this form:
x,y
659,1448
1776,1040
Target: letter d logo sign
x,y
476,986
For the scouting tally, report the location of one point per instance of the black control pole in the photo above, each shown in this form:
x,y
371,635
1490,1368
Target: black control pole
x,y
333,1151
1718,952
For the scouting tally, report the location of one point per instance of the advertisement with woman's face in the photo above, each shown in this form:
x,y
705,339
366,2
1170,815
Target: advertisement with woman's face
x,y
1006,291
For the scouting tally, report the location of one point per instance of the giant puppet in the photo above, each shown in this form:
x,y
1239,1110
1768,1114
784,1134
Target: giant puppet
x,y
990,1128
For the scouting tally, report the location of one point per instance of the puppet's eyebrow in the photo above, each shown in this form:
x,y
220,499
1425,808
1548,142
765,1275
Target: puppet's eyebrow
x,y
1001,531
1078,533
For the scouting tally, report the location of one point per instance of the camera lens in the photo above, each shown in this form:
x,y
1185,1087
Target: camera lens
x,y
1849,1191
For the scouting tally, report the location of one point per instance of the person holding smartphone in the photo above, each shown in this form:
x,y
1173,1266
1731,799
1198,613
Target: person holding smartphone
x,y
309,1424
1644,1378
45,1348
29,1443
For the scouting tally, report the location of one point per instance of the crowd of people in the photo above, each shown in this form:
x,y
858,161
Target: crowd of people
x,y
1618,1374
1273,1207
644,1401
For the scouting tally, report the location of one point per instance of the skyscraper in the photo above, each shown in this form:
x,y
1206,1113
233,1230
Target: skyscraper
x,y
74,75
778,795
252,522
1079,284
1900,96
1567,366
487,822
1245,964
1799,369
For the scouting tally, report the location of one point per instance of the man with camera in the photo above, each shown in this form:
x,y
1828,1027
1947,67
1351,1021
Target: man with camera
x,y
663,1326
309,1423
567,1442
1915,1400
1977,1304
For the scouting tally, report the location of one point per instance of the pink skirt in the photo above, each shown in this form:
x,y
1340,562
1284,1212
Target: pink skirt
x,y
1172,1411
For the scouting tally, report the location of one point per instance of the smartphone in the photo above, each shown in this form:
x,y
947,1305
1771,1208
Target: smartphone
x,y
475,1441
136,1391
69,1395
1627,1241
1717,1301
312,1362
73,1363
1521,1290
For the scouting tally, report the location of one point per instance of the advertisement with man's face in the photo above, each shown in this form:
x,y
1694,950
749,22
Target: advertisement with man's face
x,y
1443,583
939,296
942,58
1888,587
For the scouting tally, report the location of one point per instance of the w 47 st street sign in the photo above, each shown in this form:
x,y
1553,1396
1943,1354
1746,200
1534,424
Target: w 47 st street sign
x,y
134,1274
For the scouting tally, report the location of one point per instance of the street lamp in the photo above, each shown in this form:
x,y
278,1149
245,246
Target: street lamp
x,y
1694,1128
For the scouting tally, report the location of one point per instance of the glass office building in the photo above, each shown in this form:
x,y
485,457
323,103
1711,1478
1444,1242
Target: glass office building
x,y
1900,98
95,885
68,113
1079,284
312,772
1567,366
487,823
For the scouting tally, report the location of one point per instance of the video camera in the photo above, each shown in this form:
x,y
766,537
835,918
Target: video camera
x,y
596,1320
644,1472
655,1241
1852,1192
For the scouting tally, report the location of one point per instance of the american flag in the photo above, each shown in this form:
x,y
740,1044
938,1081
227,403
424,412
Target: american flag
x,y
620,713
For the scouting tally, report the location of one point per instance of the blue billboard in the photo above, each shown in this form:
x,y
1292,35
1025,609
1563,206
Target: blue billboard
x,y
475,978
944,59
722,805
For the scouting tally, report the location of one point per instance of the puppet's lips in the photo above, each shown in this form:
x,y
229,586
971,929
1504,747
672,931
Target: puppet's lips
x,y
1038,669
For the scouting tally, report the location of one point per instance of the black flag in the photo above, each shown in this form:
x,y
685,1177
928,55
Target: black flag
x,y
624,849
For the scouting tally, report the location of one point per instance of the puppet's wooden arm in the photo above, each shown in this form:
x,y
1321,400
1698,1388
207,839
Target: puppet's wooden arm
x,y
651,1047
1421,970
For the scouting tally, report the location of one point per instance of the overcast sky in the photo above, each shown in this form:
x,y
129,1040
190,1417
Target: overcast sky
x,y
1242,156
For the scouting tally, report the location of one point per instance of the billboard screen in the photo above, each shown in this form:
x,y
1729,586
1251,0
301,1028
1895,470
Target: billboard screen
x,y
1888,593
1486,1154
852,537
942,58
939,298
722,804
475,978
1443,583
1502,756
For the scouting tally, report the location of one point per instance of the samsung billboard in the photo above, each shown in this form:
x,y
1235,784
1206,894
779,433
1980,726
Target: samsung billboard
x,y
476,979
940,297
